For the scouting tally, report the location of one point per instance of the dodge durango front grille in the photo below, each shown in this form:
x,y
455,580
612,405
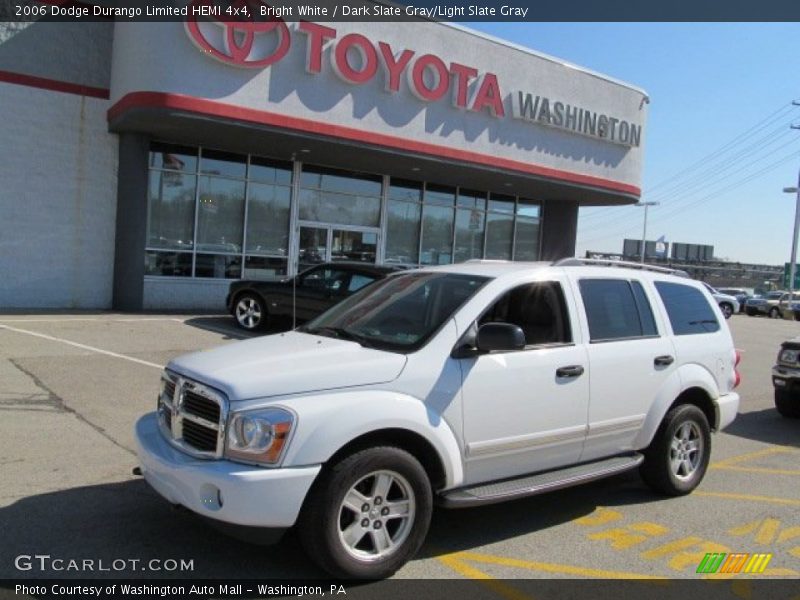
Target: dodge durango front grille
x,y
192,416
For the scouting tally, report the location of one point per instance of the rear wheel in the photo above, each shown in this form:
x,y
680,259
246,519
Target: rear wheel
x,y
250,312
367,515
677,459
788,404
774,313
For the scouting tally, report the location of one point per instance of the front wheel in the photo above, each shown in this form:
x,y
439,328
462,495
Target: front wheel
x,y
677,459
774,313
250,312
367,515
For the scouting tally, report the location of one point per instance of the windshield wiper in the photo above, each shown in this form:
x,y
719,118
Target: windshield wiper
x,y
341,333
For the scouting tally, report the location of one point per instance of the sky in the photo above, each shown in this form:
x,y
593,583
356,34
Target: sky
x,y
718,144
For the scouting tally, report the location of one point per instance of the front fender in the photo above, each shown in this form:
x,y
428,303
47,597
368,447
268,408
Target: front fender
x,y
329,421
685,377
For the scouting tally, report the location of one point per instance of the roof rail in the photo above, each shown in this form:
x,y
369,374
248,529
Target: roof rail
x,y
604,262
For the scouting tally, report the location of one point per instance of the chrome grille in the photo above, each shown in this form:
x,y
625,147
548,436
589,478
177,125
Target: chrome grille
x,y
192,416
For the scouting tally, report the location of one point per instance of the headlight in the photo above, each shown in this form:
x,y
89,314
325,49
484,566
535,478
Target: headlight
x,y
788,356
258,435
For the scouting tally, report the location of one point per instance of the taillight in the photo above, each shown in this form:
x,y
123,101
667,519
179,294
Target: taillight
x,y
737,377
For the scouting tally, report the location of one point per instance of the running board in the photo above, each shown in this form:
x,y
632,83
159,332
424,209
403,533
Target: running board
x,y
530,485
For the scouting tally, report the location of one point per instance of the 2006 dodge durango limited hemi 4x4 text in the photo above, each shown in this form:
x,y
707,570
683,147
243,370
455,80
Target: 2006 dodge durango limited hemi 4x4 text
x,y
465,384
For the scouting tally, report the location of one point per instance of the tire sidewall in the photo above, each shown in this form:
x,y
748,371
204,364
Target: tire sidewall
x,y
658,455
332,491
262,322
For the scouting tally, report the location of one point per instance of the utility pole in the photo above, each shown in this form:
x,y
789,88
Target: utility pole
x,y
644,231
795,190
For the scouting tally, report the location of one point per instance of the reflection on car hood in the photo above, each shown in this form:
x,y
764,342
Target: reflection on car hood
x,y
288,363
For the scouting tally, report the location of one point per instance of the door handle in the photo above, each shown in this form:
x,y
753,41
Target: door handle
x,y
571,371
663,361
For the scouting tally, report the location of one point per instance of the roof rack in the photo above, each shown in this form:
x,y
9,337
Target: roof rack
x,y
604,262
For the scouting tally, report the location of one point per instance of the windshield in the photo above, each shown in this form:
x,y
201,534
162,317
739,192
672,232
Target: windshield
x,y
398,313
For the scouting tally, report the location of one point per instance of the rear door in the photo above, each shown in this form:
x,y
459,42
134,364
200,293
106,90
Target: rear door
x,y
630,356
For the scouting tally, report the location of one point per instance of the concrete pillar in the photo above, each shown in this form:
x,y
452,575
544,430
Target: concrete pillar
x,y
560,229
131,222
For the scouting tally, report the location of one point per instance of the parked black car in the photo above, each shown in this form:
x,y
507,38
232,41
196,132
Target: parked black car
x,y
256,304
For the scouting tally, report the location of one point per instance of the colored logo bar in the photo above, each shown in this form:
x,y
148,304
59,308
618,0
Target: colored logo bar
x,y
722,562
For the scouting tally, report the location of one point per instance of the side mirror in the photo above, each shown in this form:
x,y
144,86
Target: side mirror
x,y
500,336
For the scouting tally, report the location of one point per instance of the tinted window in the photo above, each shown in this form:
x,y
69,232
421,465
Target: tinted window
x,y
689,311
612,310
357,281
645,310
537,308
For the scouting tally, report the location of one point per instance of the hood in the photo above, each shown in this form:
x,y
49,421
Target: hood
x,y
288,363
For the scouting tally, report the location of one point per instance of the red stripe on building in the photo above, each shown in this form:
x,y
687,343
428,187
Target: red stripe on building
x,y
53,85
226,111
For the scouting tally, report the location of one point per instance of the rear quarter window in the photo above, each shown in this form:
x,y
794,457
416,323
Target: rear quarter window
x,y
688,309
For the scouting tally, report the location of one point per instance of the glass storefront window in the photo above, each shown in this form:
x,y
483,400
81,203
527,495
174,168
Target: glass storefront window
x,y
501,203
437,235
408,191
170,210
469,233
343,209
340,181
174,158
439,194
499,232
402,232
526,239
213,162
168,264
270,171
218,266
220,215
472,199
268,219
264,267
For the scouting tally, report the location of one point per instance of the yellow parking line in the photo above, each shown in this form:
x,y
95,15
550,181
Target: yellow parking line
x,y
556,568
749,456
470,572
748,498
765,470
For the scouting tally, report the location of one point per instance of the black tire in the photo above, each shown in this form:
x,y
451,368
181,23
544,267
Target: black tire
x,y
727,310
250,312
659,469
325,519
774,313
750,312
788,404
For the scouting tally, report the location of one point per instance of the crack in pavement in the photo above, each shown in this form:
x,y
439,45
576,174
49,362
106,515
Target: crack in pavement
x,y
60,404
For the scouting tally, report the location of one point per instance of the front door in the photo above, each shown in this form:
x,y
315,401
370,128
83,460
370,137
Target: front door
x,y
525,410
320,243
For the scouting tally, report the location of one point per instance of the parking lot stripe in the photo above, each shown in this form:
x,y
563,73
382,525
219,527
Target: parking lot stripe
x,y
749,456
81,346
748,497
125,320
556,568
459,566
765,470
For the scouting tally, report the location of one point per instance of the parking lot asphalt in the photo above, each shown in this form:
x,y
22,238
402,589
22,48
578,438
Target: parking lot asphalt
x,y
73,385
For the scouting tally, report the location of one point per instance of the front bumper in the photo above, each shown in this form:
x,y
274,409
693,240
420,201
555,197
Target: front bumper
x,y
786,378
221,490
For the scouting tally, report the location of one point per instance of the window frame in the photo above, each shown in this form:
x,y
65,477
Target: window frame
x,y
635,301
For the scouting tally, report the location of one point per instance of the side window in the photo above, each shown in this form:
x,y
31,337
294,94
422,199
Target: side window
x,y
687,307
358,281
616,309
538,309
328,279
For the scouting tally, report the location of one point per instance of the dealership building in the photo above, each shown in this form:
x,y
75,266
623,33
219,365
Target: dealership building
x,y
146,165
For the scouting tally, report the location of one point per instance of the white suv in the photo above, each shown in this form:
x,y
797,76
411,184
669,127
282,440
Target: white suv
x,y
463,385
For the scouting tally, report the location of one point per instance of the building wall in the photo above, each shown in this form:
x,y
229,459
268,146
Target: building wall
x,y
58,167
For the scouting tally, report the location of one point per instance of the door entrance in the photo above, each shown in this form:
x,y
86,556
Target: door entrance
x,y
319,243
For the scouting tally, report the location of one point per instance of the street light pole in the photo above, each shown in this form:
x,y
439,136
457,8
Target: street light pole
x,y
644,230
